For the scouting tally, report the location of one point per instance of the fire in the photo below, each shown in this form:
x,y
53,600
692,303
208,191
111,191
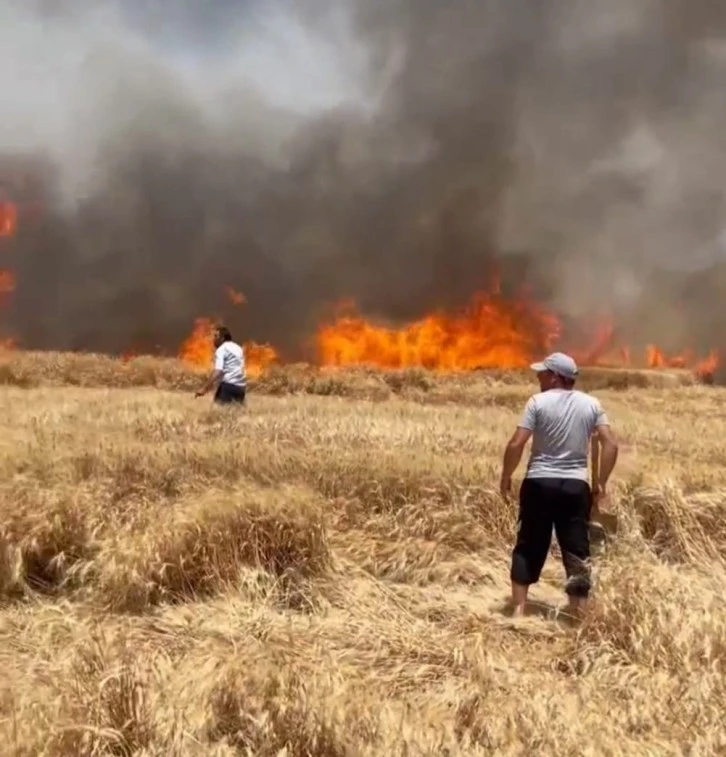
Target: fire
x,y
707,367
198,350
491,333
8,226
600,348
606,352
8,219
656,358
235,297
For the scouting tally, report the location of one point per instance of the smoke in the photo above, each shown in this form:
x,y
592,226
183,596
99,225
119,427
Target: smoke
x,y
393,151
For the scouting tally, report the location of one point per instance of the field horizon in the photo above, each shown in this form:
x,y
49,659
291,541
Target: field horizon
x,y
324,573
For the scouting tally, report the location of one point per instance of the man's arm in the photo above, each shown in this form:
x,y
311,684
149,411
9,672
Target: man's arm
x,y
608,457
211,381
605,439
515,446
595,460
215,376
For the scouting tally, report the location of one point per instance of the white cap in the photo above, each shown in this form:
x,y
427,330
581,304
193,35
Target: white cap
x,y
559,363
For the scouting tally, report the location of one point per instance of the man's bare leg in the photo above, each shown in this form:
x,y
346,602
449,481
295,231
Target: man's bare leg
x,y
519,599
576,606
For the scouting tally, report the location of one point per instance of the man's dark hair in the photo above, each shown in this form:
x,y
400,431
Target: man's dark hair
x,y
567,383
223,334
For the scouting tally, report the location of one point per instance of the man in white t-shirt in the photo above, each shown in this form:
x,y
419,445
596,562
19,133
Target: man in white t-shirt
x,y
562,421
229,370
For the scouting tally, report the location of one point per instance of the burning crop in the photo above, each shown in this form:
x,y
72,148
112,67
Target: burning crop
x,y
8,219
198,349
491,332
8,227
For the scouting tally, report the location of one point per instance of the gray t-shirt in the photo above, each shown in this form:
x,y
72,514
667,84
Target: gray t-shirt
x,y
562,422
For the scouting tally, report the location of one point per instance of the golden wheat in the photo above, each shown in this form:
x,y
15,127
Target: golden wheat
x,y
324,572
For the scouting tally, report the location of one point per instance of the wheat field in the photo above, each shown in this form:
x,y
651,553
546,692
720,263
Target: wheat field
x,y
324,572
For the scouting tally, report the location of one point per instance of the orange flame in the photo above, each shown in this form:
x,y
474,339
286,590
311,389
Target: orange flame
x,y
8,219
198,350
601,343
605,352
8,225
235,297
491,333
705,368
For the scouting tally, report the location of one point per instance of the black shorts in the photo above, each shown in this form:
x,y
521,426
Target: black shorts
x,y
228,394
566,505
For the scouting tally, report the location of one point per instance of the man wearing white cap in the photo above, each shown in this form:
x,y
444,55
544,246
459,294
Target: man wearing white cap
x,y
556,490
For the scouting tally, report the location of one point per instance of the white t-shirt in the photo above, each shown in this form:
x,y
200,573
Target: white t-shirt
x,y
229,358
562,422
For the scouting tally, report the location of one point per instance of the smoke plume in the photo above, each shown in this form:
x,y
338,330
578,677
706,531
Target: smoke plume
x,y
390,151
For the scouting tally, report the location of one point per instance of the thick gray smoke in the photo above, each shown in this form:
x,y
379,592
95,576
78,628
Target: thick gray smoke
x,y
392,151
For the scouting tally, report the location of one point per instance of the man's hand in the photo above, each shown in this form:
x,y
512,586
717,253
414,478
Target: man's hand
x,y
608,458
599,497
505,488
512,456
209,384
